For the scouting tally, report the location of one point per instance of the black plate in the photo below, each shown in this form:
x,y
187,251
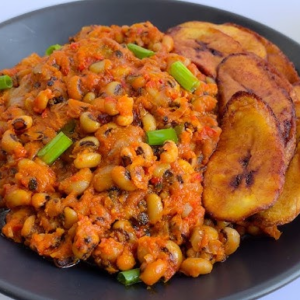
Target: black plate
x,y
258,267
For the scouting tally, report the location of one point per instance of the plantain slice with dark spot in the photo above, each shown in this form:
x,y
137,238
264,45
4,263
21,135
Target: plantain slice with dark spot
x,y
245,174
204,44
248,72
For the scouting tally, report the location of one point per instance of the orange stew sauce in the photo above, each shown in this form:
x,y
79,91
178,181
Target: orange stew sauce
x,y
111,198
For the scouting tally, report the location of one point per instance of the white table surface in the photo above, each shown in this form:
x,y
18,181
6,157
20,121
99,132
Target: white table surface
x,y
281,15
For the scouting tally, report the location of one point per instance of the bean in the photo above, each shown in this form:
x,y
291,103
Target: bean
x,y
175,252
22,123
114,88
18,197
89,97
77,183
154,271
70,217
170,152
10,143
41,101
194,266
149,122
87,160
88,123
126,260
232,240
121,178
39,199
102,180
154,208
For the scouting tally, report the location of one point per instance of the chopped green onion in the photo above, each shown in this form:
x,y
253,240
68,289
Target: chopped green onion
x,y
52,48
139,51
50,152
158,137
5,82
184,76
129,277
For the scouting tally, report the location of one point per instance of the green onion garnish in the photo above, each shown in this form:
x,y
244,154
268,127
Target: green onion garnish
x,y
52,48
5,82
158,137
129,277
50,152
139,51
184,76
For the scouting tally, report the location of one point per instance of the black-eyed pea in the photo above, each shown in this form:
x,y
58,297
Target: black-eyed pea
x,y
89,142
170,152
186,166
145,151
102,180
175,252
88,122
121,177
89,97
149,122
154,271
126,260
21,123
74,87
10,143
87,160
114,88
198,234
38,200
195,266
232,240
70,217
77,183
160,169
100,66
41,101
28,226
17,197
127,155
154,208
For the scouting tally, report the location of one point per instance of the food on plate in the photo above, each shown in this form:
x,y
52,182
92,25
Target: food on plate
x,y
247,72
103,152
109,141
245,174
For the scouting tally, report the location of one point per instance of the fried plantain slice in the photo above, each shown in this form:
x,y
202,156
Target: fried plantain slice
x,y
248,72
287,207
274,55
204,44
248,40
245,174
